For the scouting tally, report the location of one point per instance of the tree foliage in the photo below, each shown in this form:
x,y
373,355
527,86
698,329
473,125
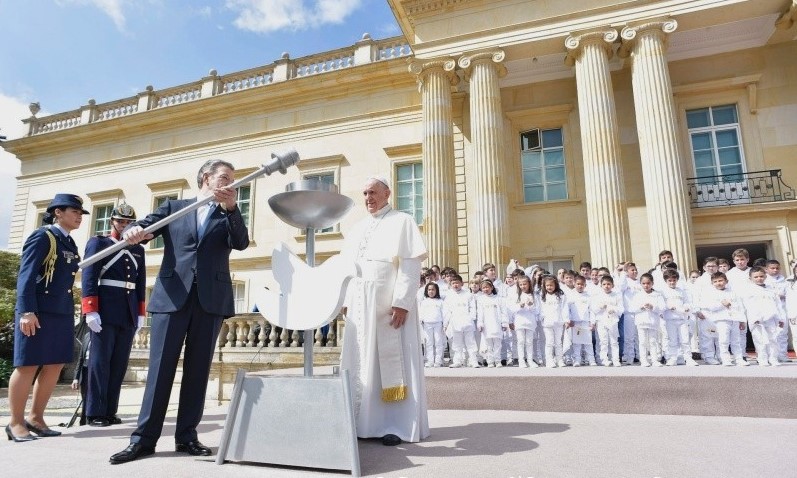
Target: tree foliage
x,y
9,269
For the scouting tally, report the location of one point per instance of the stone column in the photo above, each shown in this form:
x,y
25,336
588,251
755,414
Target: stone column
x,y
435,79
669,216
490,225
609,239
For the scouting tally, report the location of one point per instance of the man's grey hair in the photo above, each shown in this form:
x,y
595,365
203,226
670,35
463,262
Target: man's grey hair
x,y
210,167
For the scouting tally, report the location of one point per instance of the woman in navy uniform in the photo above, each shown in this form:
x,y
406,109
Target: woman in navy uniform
x,y
44,325
113,301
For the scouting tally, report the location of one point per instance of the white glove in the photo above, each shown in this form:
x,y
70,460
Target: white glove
x,y
141,320
94,322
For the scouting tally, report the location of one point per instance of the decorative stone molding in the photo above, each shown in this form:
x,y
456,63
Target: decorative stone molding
x,y
748,82
575,43
429,7
789,18
630,33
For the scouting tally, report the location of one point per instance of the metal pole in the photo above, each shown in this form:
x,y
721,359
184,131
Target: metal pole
x,y
308,334
280,162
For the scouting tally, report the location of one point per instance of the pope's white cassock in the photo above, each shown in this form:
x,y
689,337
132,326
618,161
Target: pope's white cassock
x,y
385,364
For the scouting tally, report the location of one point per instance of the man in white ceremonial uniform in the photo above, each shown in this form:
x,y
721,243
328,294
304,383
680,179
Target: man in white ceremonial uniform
x,y
382,343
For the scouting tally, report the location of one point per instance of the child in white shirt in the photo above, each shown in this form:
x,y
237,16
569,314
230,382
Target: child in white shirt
x,y
554,312
606,308
776,281
459,314
676,313
491,320
647,306
763,317
524,317
707,329
430,312
581,326
791,305
724,308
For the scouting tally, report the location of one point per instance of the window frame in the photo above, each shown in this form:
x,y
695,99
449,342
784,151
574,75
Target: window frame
x,y
95,217
322,166
713,129
543,168
157,242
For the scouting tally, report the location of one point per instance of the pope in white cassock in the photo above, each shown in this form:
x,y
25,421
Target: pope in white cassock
x,y
382,344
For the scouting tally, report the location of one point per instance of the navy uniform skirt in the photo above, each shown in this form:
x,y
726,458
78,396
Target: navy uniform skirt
x,y
52,344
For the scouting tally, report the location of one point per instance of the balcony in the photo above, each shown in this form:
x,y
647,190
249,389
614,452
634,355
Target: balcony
x,y
734,189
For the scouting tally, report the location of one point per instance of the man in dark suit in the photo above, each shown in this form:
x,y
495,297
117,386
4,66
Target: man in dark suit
x,y
113,290
192,295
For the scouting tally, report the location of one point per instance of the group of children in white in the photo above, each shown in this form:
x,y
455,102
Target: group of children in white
x,y
535,318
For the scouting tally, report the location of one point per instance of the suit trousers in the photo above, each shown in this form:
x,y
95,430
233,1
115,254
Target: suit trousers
x,y
199,330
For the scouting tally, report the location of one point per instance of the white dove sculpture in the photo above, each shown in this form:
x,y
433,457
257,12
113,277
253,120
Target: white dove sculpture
x,y
309,297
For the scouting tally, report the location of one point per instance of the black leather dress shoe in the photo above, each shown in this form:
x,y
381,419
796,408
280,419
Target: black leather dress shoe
x,y
114,420
391,440
42,432
133,452
99,422
193,448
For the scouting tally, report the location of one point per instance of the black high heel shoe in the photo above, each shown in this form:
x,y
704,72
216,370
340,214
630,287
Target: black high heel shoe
x,y
41,432
16,438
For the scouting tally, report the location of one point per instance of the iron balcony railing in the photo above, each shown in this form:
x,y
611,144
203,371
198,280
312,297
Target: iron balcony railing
x,y
744,188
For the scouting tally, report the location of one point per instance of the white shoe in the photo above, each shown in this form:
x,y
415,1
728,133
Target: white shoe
x,y
645,363
656,363
763,363
475,365
691,363
498,365
523,364
550,365
742,363
533,364
618,364
672,361
727,363
490,365
774,362
711,361
561,363
593,364
576,363
428,365
455,365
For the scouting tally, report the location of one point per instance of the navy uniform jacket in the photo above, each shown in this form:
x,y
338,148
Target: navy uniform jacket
x,y
116,305
187,259
34,293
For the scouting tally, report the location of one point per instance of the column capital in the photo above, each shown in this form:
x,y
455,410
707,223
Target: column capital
x,y
630,33
494,56
575,43
445,66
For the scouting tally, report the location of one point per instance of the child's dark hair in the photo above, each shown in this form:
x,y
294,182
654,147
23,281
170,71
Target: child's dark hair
x,y
709,259
608,279
581,278
760,262
663,253
492,286
558,292
436,290
771,262
669,265
584,264
646,275
718,275
517,285
755,269
456,277
668,273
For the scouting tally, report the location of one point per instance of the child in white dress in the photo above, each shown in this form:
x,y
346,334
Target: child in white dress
x,y
554,313
725,309
430,312
492,321
676,319
525,317
763,317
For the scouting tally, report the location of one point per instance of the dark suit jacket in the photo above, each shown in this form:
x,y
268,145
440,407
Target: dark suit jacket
x,y
187,258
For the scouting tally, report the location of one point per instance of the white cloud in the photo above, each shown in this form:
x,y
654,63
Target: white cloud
x,y
112,8
265,16
12,111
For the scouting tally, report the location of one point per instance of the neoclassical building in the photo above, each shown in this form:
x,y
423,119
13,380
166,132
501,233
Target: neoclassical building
x,y
520,129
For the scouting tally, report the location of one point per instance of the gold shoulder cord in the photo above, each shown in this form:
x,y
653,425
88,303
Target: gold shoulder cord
x,y
49,260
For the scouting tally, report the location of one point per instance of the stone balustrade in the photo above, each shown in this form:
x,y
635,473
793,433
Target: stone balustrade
x,y
248,341
363,52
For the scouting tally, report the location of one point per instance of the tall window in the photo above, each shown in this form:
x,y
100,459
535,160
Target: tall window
x,y
714,136
325,178
102,220
409,190
543,160
244,200
239,297
159,201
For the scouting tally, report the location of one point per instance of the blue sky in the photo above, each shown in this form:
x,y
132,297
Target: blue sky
x,y
62,53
